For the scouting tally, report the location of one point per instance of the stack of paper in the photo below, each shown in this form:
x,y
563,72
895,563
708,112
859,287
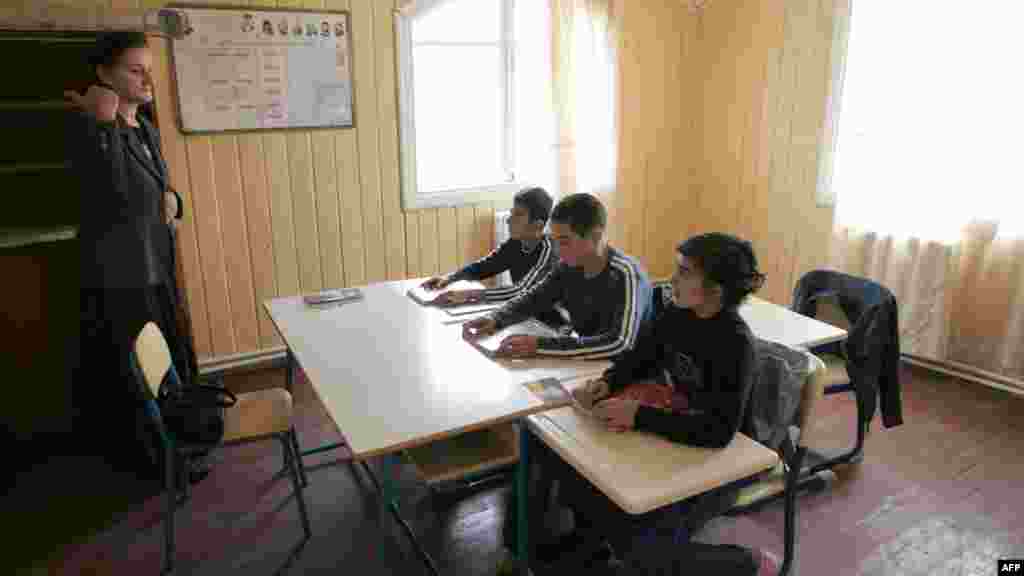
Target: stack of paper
x,y
428,297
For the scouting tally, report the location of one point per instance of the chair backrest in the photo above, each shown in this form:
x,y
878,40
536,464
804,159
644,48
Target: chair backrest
x,y
153,356
852,294
827,310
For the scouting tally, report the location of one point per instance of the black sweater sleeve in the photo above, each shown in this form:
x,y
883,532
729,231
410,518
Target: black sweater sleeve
x,y
495,263
727,381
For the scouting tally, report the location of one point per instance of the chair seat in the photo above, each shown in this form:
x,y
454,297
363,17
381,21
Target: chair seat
x,y
836,374
259,413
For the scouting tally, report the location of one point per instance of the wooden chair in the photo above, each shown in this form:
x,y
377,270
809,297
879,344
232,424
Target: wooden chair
x,y
256,416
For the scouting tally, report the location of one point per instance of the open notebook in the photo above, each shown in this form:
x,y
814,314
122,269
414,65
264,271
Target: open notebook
x,y
489,344
427,297
554,391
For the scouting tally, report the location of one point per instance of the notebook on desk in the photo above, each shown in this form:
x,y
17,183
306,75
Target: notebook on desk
x,y
467,309
334,296
532,327
426,297
553,391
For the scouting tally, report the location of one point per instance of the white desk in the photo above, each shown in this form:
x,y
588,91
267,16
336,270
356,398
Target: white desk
x,y
392,376
641,472
770,321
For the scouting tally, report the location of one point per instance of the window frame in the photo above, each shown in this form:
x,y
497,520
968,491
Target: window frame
x,y
499,192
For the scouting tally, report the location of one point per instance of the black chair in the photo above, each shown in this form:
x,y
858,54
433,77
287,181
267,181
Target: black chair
x,y
866,364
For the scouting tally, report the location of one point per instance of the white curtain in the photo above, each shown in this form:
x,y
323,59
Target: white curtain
x,y
928,191
586,91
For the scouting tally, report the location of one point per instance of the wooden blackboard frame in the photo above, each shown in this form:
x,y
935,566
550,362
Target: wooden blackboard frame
x,y
263,10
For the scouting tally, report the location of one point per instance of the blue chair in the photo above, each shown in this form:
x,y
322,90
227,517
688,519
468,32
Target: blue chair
x,y
255,416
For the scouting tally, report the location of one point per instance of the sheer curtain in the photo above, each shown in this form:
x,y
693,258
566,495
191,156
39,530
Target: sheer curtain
x,y
585,80
928,193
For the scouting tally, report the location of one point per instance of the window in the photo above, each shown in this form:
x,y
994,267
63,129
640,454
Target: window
x,y
931,119
472,101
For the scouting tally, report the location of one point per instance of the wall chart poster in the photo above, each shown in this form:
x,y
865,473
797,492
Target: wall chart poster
x,y
243,69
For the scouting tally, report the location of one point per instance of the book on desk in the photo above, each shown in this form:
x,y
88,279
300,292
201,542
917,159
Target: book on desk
x,y
426,297
532,327
333,296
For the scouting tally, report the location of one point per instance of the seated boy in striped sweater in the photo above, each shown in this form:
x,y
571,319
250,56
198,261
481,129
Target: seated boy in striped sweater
x,y
528,255
605,292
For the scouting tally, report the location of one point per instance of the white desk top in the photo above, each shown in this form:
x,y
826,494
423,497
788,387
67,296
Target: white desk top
x,y
641,472
770,321
392,376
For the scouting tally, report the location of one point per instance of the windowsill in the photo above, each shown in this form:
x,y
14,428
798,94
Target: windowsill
x,y
500,196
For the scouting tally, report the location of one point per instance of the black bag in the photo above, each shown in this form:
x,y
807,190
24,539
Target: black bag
x,y
195,414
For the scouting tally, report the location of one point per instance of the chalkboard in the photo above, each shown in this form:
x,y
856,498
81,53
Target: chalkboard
x,y
249,69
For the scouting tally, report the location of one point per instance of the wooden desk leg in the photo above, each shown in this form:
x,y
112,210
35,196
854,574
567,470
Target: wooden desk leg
x,y
522,552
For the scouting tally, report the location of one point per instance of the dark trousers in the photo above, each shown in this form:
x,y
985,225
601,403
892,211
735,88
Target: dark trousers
x,y
106,395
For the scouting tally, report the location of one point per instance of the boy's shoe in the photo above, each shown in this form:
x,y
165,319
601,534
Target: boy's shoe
x,y
768,563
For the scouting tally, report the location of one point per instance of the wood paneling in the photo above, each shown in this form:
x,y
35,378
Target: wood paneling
x,y
719,131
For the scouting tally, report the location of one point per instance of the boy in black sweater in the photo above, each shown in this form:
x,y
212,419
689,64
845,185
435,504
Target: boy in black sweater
x,y
704,351
528,255
606,293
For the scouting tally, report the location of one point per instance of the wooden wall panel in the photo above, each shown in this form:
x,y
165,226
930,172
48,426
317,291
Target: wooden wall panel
x,y
350,203
428,243
304,211
235,242
447,238
332,267
206,215
412,244
466,234
385,66
719,131
261,241
365,97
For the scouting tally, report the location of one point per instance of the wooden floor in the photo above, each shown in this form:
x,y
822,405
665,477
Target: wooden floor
x,y
940,495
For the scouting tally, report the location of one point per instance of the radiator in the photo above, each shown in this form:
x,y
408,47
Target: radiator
x,y
501,218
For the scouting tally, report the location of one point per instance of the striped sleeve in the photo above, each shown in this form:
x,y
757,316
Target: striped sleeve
x,y
545,263
617,338
491,265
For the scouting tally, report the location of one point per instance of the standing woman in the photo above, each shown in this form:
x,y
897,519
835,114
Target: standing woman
x,y
128,213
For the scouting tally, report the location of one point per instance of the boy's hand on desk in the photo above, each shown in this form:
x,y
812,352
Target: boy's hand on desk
x,y
479,327
436,283
457,297
618,413
518,346
588,394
